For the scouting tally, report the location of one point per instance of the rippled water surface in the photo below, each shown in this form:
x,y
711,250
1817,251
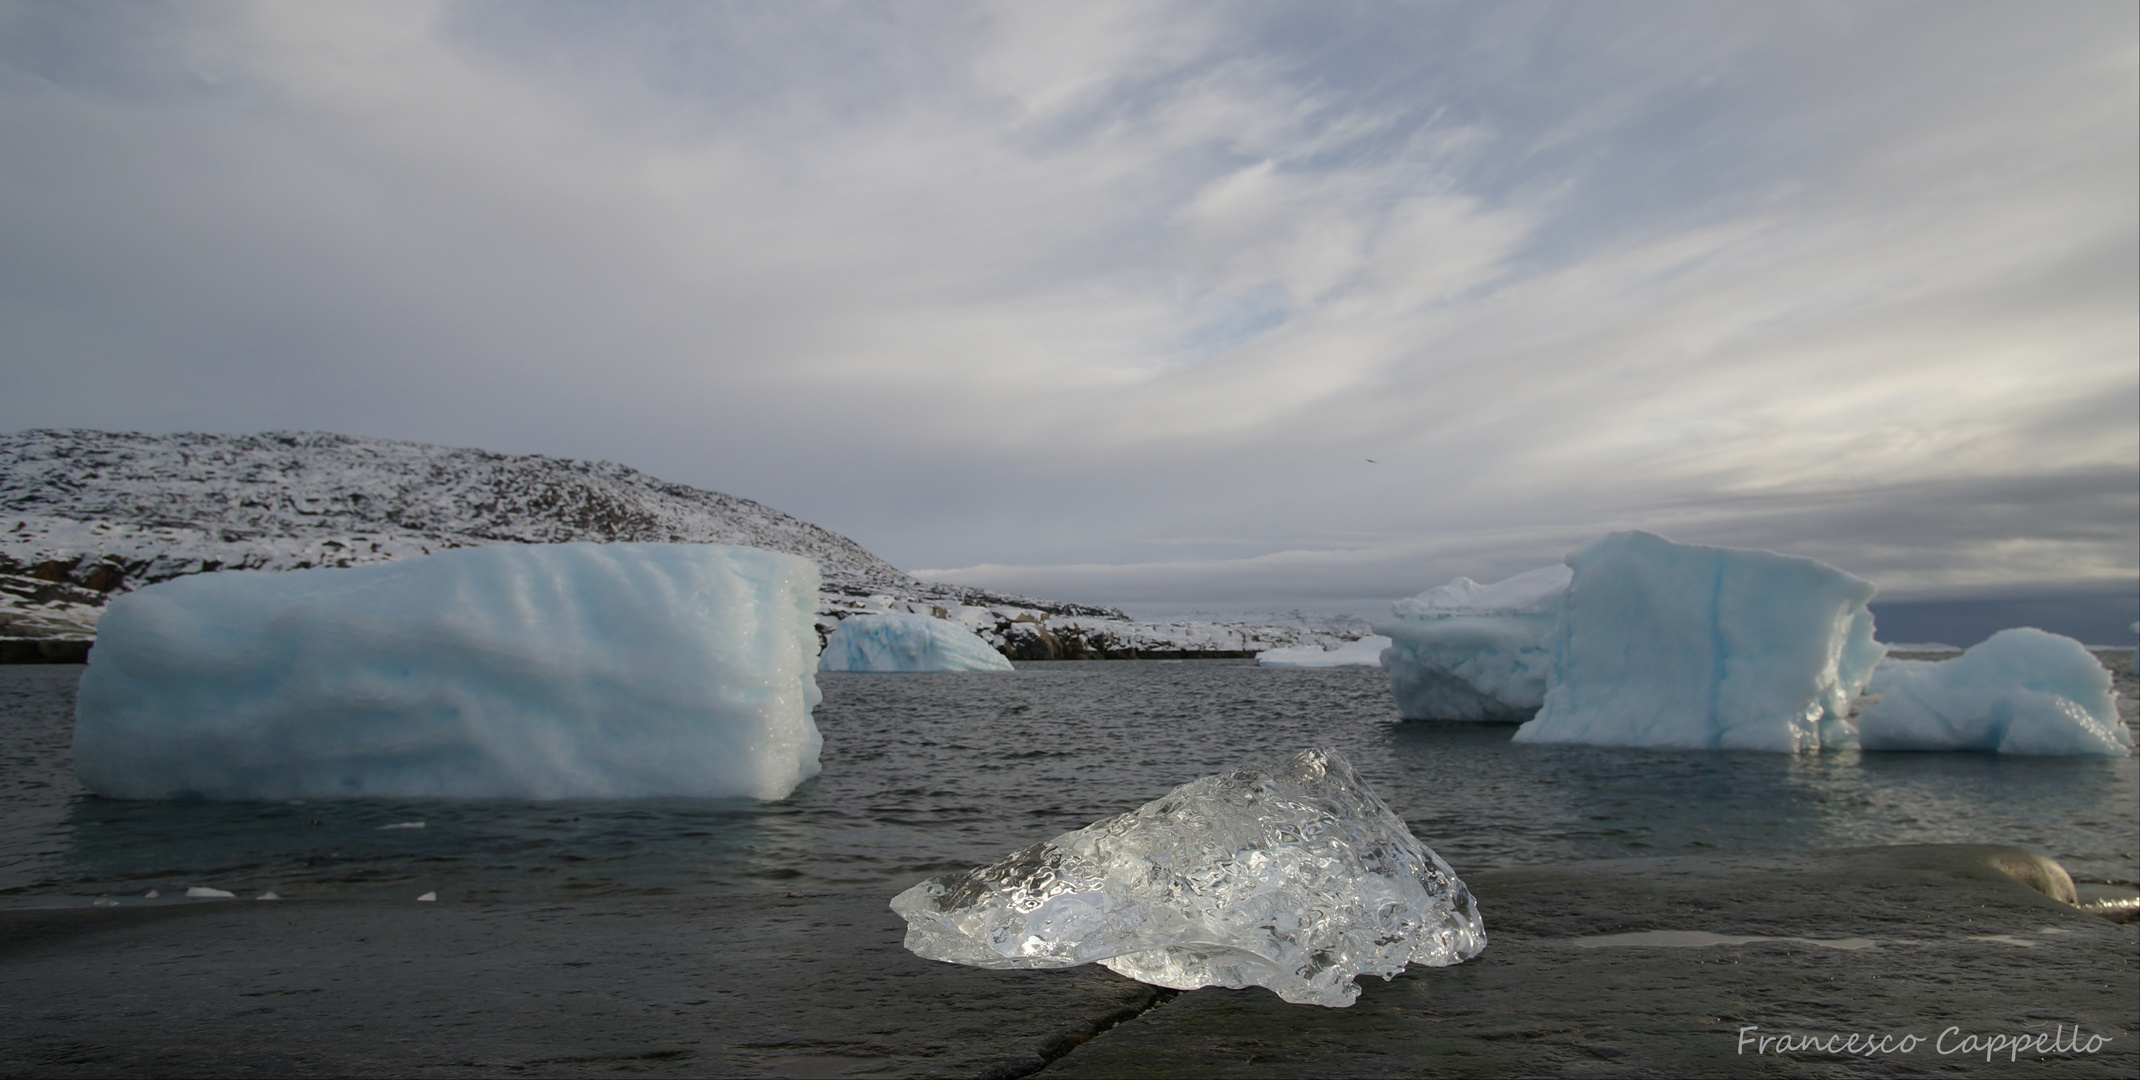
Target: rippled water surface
x,y
925,773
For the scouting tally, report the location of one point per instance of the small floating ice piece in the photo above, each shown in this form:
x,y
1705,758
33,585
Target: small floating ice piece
x,y
150,895
1286,874
402,825
268,895
104,901
1366,652
427,898
203,892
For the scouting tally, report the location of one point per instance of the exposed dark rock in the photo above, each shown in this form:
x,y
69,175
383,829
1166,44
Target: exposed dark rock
x,y
44,651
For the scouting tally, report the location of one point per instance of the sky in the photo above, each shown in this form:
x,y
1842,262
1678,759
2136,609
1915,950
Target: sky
x,y
1179,307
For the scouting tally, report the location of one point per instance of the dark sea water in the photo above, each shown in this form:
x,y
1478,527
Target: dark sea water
x,y
926,773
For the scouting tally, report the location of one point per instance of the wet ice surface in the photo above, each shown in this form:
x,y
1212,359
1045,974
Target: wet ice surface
x,y
1287,874
926,774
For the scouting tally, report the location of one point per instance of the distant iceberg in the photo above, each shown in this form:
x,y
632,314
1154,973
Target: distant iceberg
x,y
2021,691
1678,645
544,671
1466,651
907,643
1366,652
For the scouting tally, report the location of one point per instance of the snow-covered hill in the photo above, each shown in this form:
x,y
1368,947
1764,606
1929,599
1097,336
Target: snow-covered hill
x,y
85,515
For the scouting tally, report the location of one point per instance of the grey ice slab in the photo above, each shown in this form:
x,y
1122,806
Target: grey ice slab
x,y
816,986
1615,969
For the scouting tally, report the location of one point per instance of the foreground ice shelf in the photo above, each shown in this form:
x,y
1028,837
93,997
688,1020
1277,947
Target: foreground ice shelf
x,y
544,671
894,642
2020,691
1679,645
1466,651
1286,874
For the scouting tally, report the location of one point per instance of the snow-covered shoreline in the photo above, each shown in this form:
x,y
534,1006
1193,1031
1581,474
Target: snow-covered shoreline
x,y
89,515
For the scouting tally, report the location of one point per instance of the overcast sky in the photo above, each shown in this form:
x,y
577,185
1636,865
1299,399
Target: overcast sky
x,y
1116,303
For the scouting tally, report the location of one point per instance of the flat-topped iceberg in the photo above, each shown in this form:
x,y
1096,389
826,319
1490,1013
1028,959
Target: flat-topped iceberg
x,y
2020,691
1366,652
896,642
1679,645
544,671
1466,651
1285,874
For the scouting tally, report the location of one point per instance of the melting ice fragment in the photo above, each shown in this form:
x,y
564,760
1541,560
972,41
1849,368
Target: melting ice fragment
x,y
1286,874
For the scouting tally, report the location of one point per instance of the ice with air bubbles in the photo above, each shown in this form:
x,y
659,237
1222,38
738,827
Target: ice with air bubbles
x,y
1288,874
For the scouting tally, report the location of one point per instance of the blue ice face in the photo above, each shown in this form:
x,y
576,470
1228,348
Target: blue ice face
x,y
1678,645
509,671
896,642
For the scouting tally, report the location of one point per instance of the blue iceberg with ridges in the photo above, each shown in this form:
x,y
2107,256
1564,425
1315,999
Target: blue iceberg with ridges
x,y
895,642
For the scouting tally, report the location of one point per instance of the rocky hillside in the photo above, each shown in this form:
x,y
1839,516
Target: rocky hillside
x,y
85,515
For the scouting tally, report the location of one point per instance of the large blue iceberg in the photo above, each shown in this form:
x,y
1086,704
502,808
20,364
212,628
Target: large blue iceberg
x,y
1677,645
1466,651
894,642
2021,691
511,671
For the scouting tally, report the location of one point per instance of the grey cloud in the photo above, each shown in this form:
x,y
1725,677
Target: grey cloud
x,y
1042,287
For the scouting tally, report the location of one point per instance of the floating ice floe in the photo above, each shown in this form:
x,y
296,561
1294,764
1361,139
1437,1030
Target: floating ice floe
x,y
203,892
894,642
541,671
1366,652
2020,691
1678,645
1466,651
1286,874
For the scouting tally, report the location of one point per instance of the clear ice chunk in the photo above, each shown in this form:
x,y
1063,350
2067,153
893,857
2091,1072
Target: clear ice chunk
x,y
1286,874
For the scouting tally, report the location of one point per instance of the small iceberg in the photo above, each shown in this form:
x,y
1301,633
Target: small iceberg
x,y
1366,652
897,642
1287,874
1466,651
203,892
2020,691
